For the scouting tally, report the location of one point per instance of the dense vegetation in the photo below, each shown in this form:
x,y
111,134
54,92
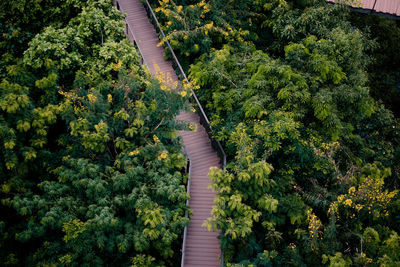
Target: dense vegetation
x,y
91,170
300,93
384,70
313,169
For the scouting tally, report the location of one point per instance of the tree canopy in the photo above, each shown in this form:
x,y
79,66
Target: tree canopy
x,y
91,169
313,171
299,92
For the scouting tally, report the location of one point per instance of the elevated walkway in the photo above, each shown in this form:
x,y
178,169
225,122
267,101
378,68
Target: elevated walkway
x,y
202,247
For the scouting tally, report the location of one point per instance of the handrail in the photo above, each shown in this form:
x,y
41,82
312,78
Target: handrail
x,y
119,7
189,165
203,120
165,38
203,117
187,204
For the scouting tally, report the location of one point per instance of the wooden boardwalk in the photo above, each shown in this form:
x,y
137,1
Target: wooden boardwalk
x,y
202,247
387,8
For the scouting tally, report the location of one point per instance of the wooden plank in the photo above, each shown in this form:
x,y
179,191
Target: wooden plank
x,y
202,247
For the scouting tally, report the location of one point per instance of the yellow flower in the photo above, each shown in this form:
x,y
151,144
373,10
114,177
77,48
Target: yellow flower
x,y
134,152
364,256
193,127
179,9
333,208
348,202
185,37
314,224
352,189
117,66
91,98
109,98
340,198
183,93
193,110
163,155
163,87
156,140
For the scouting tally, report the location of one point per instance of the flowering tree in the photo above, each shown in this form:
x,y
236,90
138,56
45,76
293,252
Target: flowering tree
x,y
92,171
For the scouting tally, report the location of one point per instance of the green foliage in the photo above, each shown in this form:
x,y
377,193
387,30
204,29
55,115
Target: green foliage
x,y
91,169
194,27
336,260
304,110
90,46
72,229
142,261
20,20
384,72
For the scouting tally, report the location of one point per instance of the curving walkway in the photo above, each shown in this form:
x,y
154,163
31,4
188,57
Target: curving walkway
x,y
202,247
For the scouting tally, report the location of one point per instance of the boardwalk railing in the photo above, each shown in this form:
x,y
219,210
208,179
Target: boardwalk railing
x,y
129,33
189,170
131,36
203,117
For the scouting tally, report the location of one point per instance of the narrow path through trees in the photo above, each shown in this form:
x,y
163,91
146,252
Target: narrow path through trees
x,y
202,247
